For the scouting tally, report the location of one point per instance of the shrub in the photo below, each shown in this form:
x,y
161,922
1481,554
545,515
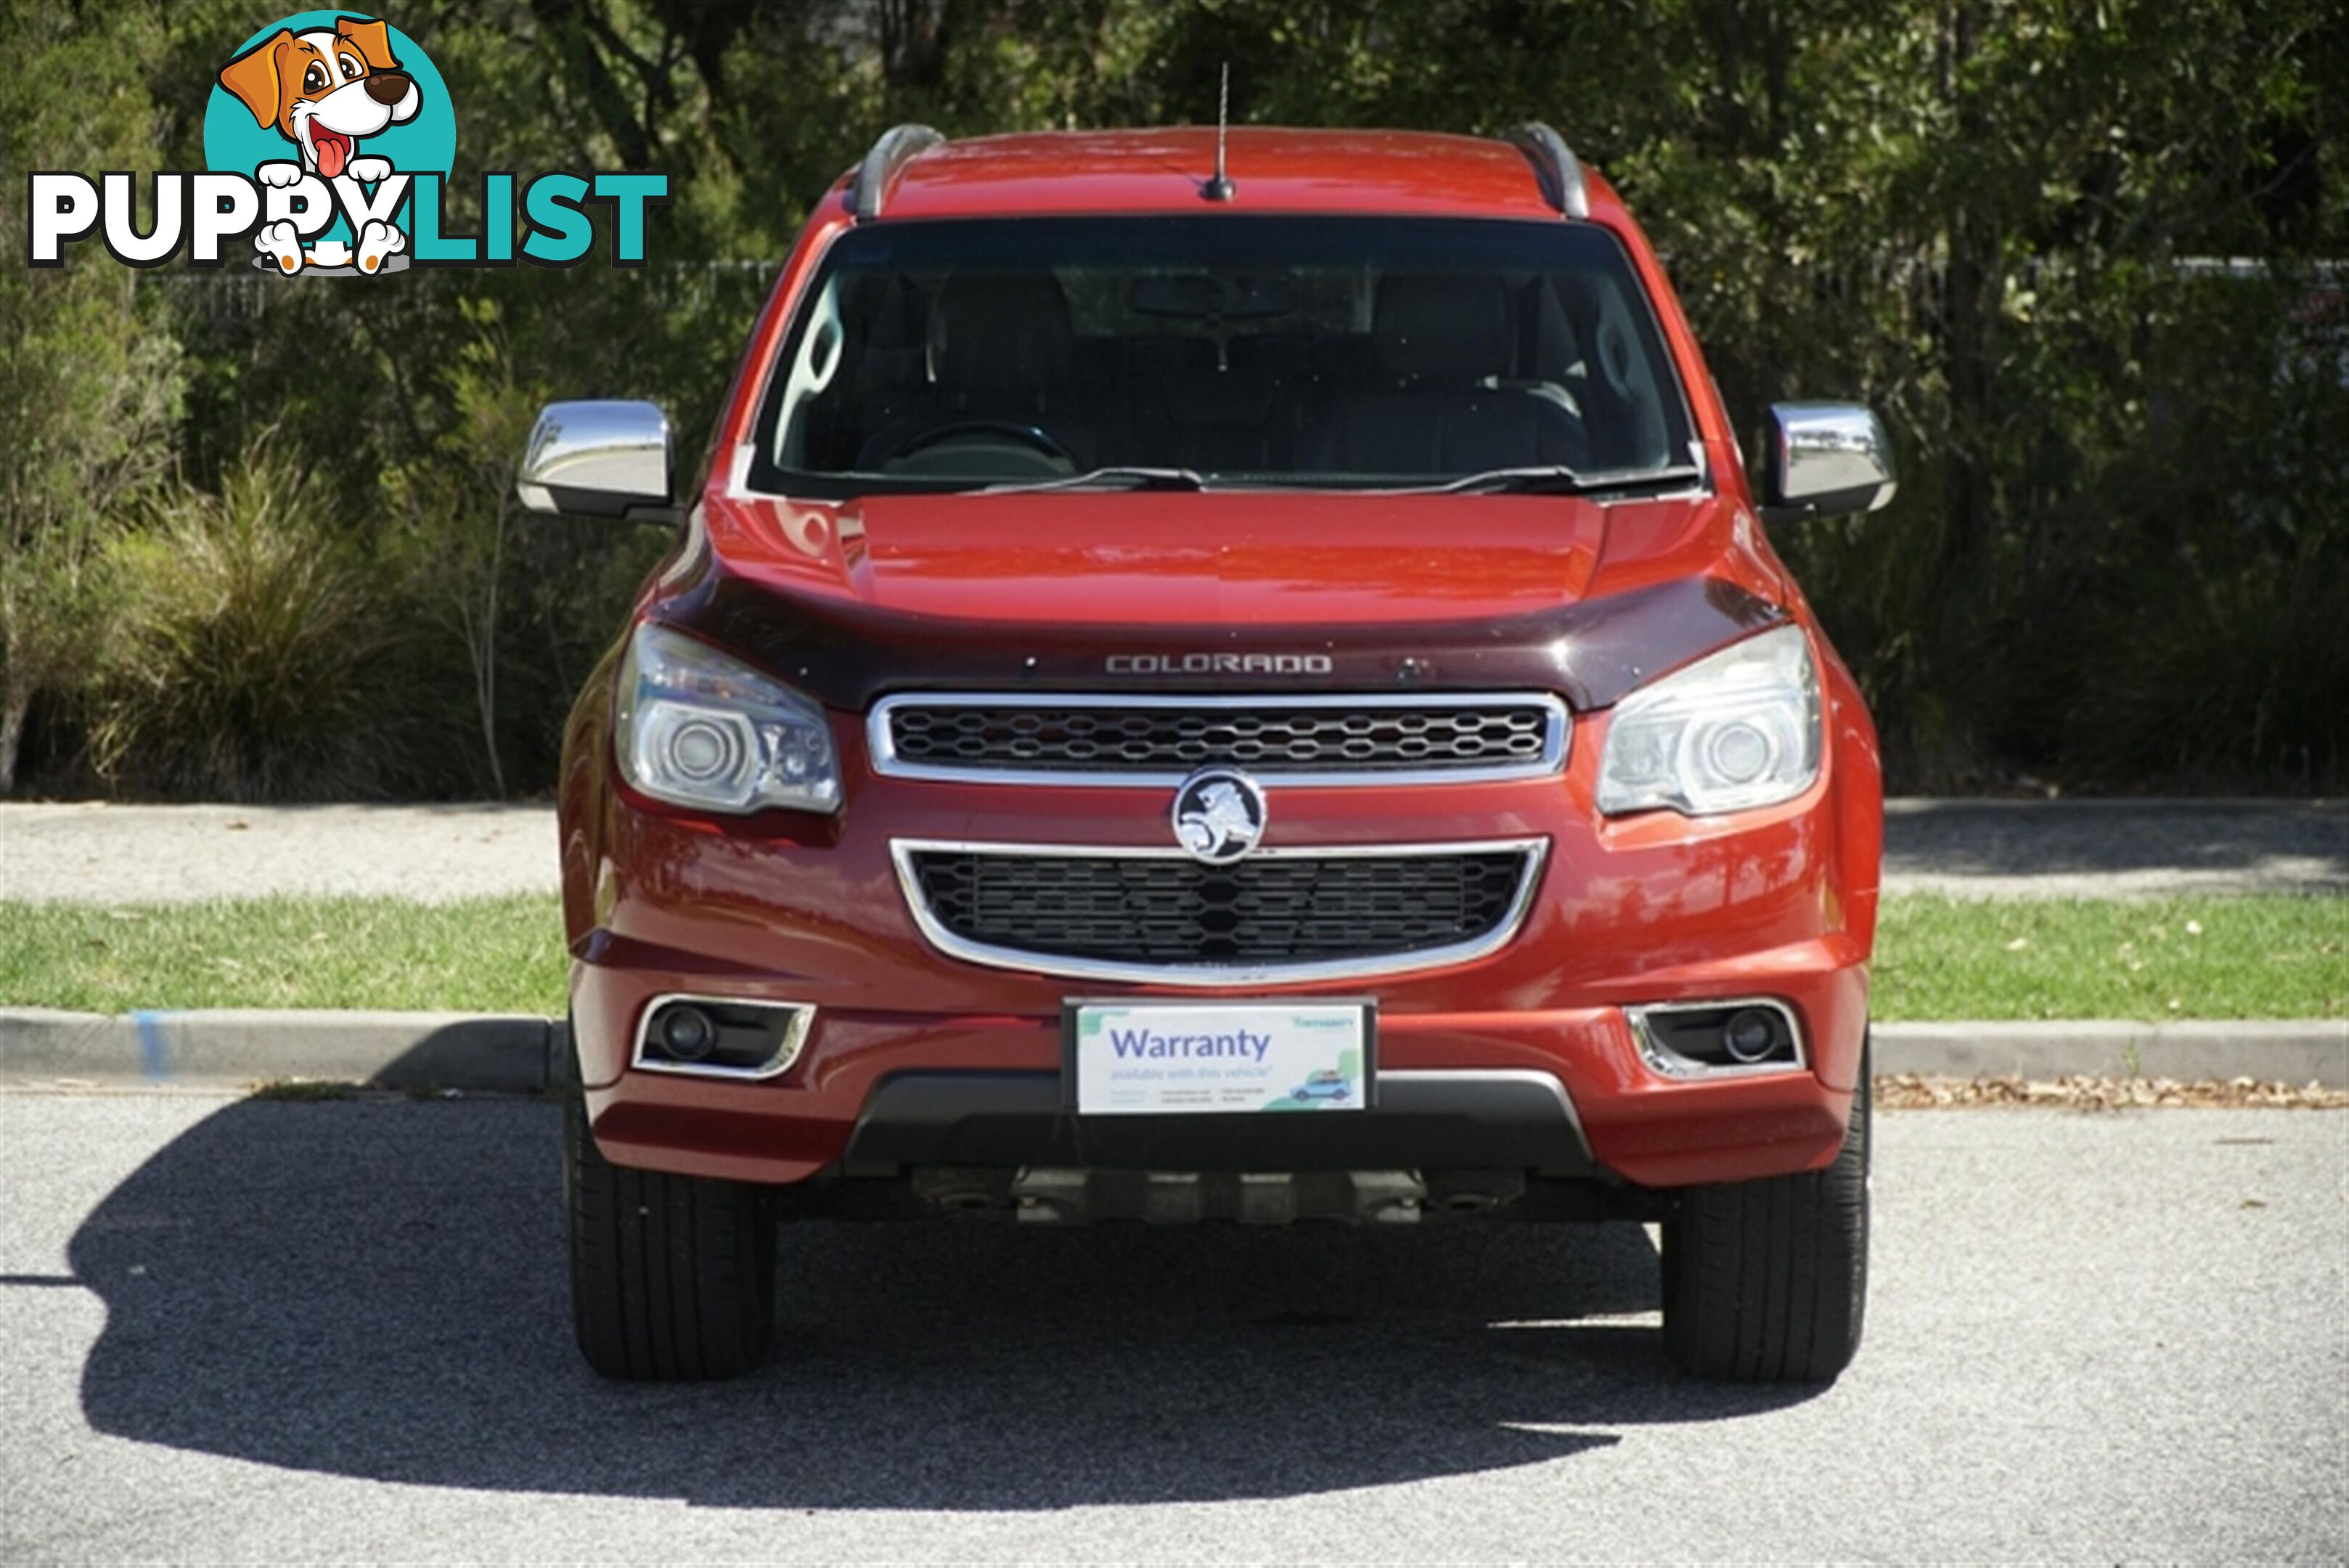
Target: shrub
x,y
247,663
2224,682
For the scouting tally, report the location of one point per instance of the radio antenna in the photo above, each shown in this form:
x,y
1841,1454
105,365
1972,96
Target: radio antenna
x,y
1219,189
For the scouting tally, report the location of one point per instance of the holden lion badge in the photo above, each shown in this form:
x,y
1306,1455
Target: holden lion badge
x,y
1218,814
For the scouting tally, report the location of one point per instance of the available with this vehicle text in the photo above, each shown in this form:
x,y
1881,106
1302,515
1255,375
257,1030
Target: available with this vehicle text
x,y
1232,681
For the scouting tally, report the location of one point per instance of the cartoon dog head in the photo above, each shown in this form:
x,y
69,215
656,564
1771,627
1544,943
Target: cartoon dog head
x,y
324,89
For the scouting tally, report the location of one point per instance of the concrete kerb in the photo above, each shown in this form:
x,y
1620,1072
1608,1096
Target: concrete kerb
x,y
521,1054
508,1052
2268,1051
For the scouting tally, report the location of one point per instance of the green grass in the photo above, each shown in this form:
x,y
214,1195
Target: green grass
x,y
483,955
2272,956
1936,958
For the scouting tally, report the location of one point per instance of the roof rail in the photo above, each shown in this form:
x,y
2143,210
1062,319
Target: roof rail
x,y
898,146
1555,165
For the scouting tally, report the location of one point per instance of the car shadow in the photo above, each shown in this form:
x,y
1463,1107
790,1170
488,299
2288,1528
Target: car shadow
x,y
375,1288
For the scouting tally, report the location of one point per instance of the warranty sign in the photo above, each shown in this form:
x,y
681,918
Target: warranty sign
x,y
1183,1058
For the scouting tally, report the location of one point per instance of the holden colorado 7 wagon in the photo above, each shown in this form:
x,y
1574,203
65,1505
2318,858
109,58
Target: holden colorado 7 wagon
x,y
1160,624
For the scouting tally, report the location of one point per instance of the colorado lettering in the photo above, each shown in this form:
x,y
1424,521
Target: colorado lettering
x,y
1218,664
1242,1045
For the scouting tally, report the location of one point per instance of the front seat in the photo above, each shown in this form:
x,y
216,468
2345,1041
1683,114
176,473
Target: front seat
x,y
1442,343
1001,349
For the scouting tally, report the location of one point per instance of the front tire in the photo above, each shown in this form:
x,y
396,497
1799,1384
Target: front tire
x,y
1766,1281
672,1277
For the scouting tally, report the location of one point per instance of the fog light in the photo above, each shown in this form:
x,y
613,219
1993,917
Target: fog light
x,y
721,1038
1707,1039
1752,1035
687,1034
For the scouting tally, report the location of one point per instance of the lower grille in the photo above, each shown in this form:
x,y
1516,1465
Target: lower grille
x,y
1165,917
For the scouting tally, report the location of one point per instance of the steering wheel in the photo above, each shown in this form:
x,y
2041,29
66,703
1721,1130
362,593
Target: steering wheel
x,y
1010,429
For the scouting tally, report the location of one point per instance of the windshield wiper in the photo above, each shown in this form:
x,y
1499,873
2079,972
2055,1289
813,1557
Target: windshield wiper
x,y
1106,479
1557,479
1552,479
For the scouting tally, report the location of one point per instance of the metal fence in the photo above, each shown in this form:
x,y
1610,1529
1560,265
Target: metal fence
x,y
234,294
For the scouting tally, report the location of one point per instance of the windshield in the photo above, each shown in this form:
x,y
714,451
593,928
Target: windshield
x,y
1222,350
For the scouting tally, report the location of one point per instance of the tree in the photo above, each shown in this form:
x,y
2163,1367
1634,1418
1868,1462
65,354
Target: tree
x,y
89,379
460,506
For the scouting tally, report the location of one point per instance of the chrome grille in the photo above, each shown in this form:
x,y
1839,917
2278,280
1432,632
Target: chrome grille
x,y
1157,739
1165,917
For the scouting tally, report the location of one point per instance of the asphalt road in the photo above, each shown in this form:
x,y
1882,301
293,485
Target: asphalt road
x,y
2114,848
96,853
240,1329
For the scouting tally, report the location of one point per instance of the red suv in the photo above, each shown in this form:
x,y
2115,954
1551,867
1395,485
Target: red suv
x,y
1202,686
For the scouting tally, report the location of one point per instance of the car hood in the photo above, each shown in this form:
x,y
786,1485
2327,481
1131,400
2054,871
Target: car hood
x,y
1218,590
1220,559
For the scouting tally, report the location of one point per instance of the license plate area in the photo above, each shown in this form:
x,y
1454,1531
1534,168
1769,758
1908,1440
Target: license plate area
x,y
1183,1057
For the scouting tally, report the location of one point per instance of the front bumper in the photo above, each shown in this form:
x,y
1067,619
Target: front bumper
x,y
1776,903
918,1089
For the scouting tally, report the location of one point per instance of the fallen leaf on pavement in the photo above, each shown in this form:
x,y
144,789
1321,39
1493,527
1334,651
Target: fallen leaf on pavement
x,y
1913,1091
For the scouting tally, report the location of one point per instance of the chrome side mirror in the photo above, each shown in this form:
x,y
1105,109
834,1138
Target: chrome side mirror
x,y
1825,459
603,459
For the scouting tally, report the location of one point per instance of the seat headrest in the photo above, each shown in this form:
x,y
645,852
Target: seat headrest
x,y
1441,327
996,333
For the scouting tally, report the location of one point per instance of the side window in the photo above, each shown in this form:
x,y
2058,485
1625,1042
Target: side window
x,y
1626,372
1616,350
812,369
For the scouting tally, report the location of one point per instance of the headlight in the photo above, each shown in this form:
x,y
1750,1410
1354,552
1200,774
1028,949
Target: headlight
x,y
696,728
1736,729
